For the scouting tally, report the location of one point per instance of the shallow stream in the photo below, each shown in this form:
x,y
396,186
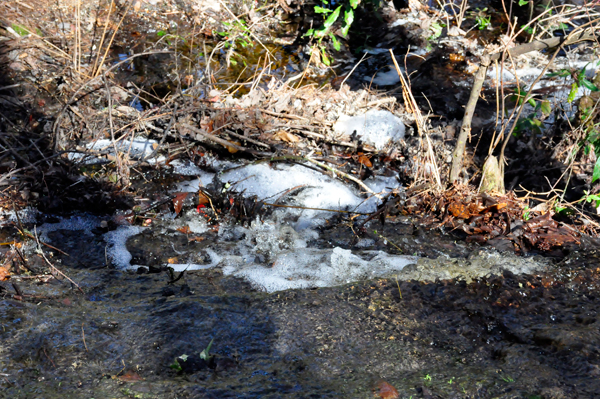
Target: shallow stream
x,y
428,323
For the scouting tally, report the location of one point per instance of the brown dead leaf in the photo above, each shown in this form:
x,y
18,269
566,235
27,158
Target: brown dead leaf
x,y
172,261
184,229
386,391
287,137
4,273
130,376
178,201
232,149
202,198
363,159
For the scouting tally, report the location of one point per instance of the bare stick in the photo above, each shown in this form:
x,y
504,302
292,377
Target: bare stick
x,y
54,267
224,143
83,337
458,154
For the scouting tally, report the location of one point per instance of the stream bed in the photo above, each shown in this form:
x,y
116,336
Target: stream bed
x,y
454,320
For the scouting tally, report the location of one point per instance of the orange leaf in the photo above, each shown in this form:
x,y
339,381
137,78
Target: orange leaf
x,y
287,137
178,201
231,149
386,391
172,261
4,273
363,159
202,198
130,376
184,229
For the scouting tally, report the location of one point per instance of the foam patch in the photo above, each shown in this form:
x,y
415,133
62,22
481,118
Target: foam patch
x,y
312,267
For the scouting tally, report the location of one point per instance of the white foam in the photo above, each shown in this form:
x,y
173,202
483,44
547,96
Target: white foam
x,y
83,223
185,168
311,267
117,251
191,186
376,127
25,215
509,74
138,148
384,78
314,190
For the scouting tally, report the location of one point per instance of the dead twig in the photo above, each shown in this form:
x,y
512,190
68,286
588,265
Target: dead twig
x,y
224,143
54,267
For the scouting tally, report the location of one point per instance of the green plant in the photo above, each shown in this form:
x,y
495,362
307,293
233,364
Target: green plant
x,y
20,29
526,215
344,12
436,31
168,37
236,35
579,81
592,197
205,354
482,19
176,366
533,121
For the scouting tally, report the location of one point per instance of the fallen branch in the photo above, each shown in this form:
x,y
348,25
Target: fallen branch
x,y
224,143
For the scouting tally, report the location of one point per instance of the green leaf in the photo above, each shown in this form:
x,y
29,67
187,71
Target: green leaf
x,y
324,57
523,2
20,29
596,174
531,102
336,43
563,73
176,366
573,93
519,95
546,107
321,10
588,85
205,354
354,3
348,19
527,29
320,33
332,18
436,28
161,33
309,32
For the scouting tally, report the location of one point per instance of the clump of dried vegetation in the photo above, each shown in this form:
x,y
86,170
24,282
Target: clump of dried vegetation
x,y
65,92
